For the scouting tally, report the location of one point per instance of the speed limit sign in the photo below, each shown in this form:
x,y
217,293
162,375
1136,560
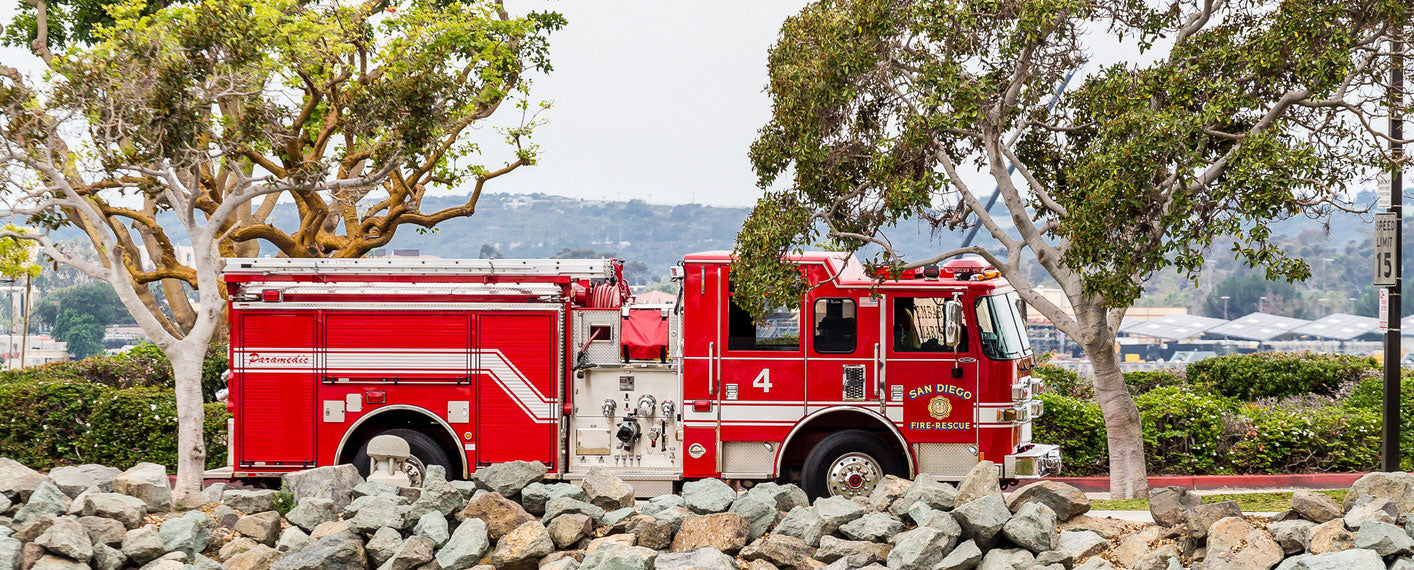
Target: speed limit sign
x,y
1386,233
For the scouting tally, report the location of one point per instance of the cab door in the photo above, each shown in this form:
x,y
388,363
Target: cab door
x,y
762,374
841,354
937,382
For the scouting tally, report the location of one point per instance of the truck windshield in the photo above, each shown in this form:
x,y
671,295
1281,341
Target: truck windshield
x,y
1001,328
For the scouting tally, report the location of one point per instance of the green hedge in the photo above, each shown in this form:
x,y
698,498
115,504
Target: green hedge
x,y
1183,429
140,424
1305,440
1368,396
1279,374
60,422
1078,427
1142,381
143,365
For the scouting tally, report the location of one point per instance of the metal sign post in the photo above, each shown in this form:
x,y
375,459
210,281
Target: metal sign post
x,y
1389,448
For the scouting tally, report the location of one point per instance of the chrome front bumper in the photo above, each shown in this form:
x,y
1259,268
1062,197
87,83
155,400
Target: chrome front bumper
x,y
1039,461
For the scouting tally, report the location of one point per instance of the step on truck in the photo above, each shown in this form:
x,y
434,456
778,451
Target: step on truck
x,y
479,361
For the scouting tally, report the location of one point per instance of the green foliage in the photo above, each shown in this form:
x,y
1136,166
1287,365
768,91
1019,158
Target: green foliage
x,y
1368,396
1061,381
95,299
16,259
1275,439
140,424
284,501
1142,381
81,333
44,421
1278,374
143,365
1078,427
1183,429
1246,294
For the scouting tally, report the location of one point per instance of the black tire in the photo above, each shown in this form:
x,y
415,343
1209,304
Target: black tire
x,y
816,472
421,445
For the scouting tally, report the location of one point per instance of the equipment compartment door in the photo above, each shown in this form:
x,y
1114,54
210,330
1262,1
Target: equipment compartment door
x,y
938,382
518,374
275,390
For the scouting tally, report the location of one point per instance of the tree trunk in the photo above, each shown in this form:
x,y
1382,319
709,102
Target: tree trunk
x,y
186,361
1122,427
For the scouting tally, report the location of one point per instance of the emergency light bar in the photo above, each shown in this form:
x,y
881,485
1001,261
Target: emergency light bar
x,y
575,268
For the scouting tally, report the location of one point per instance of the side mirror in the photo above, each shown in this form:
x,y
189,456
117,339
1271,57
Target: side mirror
x,y
952,322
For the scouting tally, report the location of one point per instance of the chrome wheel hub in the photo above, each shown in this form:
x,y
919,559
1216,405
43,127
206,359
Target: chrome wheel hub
x,y
415,470
853,475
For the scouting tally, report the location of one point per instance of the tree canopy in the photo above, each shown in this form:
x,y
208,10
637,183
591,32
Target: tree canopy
x,y
1233,114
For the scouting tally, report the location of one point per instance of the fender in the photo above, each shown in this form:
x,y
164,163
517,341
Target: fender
x,y
881,420
423,411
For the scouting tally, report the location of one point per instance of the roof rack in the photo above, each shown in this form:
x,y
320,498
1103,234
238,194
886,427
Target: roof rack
x,y
576,268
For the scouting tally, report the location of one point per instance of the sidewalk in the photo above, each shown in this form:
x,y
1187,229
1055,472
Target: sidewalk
x,y
1225,483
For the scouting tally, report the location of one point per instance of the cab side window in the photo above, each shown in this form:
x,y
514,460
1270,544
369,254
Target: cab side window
x,y
835,326
780,330
918,326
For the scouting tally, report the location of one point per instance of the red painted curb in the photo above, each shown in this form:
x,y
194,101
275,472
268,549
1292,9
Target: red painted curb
x,y
1219,482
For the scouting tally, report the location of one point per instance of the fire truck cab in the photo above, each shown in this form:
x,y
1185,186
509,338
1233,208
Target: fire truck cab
x,y
474,362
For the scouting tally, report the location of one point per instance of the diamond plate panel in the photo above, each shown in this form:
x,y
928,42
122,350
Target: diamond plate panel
x,y
604,351
748,457
853,382
945,460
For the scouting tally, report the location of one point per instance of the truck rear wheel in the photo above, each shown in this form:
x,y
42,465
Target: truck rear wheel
x,y
848,464
424,449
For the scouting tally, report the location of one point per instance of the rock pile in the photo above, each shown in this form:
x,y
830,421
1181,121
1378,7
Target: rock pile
x,y
510,517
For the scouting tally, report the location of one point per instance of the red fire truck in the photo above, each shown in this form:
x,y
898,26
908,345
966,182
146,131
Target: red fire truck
x,y
479,361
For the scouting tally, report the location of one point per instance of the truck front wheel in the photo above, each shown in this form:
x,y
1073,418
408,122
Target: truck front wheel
x,y
424,449
849,464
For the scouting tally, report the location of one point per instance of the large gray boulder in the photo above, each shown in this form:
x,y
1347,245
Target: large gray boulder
x,y
104,558
1369,508
1292,535
918,549
250,500
982,519
381,546
873,527
803,523
700,559
832,549
467,545
502,515
781,551
333,482
706,496
568,529
1355,559
619,557
936,494
260,527
510,477
758,515
143,544
563,505
378,511
413,552
1397,487
535,495
434,527
965,557
1169,505
837,511
46,500
1007,559
1314,507
186,533
10,553
117,506
522,547
1081,544
605,490
75,479
17,481
784,497
1234,544
981,481
149,482
291,539
310,512
103,531
727,532
1384,538
1203,516
1033,527
337,551
68,538
1066,501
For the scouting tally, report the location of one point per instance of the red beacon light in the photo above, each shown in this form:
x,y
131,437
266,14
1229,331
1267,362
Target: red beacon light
x,y
968,269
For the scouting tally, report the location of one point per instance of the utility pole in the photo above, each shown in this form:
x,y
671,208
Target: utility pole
x,y
1389,448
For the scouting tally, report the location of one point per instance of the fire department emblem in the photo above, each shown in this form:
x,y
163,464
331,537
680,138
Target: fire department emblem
x,y
939,407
